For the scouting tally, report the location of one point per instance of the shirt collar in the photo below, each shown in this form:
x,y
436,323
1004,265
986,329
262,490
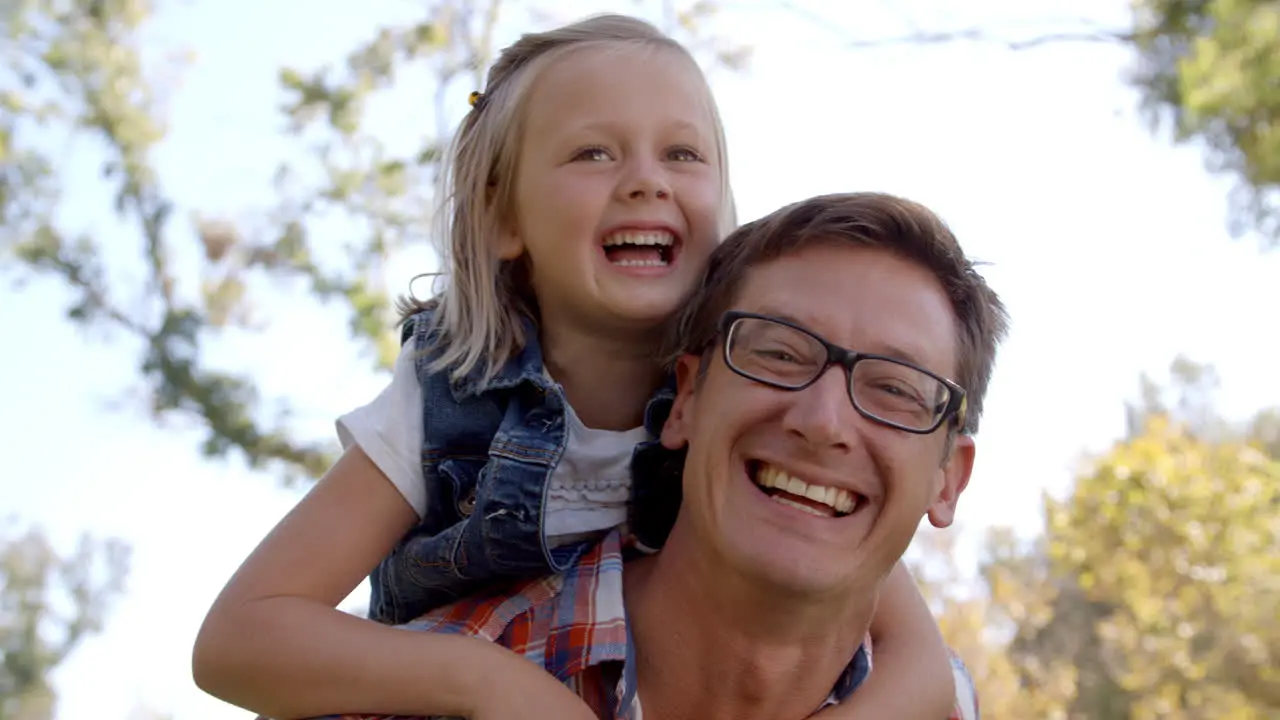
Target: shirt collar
x,y
603,578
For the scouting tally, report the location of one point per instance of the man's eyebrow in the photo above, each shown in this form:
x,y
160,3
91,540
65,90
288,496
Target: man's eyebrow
x,y
887,349
774,312
898,352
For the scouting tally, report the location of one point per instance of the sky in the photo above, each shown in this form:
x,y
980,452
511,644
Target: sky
x,y
1107,244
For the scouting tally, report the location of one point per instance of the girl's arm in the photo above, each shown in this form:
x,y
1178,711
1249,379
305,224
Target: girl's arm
x,y
274,642
911,677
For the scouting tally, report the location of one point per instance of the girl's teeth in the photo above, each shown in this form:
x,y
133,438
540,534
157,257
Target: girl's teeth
x,y
639,238
639,249
640,263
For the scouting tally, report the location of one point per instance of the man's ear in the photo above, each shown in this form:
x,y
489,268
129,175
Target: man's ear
x,y
955,470
675,432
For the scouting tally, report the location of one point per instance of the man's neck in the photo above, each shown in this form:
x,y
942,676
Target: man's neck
x,y
607,381
728,650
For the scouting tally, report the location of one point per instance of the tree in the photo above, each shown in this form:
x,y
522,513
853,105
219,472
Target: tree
x,y
77,72
1152,592
1175,538
1011,624
48,605
1204,69
974,620
73,69
1208,69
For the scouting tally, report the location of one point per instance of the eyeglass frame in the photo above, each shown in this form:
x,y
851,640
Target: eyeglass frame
x,y
847,359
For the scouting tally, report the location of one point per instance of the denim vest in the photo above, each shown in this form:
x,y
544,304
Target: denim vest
x,y
488,450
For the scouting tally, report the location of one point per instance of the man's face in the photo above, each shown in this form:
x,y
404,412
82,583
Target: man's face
x,y
855,488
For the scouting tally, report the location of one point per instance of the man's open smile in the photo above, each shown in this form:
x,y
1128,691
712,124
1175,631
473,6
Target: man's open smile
x,y
815,499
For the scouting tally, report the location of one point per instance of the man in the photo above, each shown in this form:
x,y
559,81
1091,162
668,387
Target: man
x,y
831,373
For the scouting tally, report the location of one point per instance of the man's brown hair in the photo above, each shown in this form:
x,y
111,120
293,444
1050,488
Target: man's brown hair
x,y
872,220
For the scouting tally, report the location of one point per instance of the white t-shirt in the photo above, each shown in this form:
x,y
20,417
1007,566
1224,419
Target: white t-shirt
x,y
589,488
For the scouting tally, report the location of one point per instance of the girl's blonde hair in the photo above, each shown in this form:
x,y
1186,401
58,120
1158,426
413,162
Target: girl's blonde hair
x,y
478,313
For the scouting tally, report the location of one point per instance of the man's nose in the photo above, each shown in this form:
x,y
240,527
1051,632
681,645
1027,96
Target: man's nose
x,y
822,414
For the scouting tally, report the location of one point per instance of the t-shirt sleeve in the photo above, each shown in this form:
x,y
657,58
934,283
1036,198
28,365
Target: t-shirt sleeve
x,y
966,691
389,430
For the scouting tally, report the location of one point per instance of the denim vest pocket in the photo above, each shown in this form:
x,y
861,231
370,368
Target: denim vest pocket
x,y
436,563
462,478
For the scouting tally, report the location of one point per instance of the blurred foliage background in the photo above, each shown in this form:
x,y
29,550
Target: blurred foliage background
x,y
1152,591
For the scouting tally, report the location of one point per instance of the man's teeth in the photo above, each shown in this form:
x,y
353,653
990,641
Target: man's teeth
x,y
838,499
798,506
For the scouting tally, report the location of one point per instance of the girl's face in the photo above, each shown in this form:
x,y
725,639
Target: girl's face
x,y
617,195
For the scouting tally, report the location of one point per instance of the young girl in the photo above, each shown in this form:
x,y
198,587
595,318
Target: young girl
x,y
586,189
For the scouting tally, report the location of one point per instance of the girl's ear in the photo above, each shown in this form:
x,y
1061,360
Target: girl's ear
x,y
510,246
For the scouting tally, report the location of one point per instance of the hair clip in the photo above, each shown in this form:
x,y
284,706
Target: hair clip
x,y
476,98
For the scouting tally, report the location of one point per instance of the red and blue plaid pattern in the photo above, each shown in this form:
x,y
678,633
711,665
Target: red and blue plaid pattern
x,y
574,626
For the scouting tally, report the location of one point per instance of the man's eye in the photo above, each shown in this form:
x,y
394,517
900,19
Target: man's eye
x,y
777,354
901,391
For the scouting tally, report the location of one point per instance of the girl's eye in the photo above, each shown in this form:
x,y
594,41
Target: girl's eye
x,y
592,154
684,154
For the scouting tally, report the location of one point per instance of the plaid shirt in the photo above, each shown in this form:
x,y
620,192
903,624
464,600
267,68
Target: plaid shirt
x,y
574,625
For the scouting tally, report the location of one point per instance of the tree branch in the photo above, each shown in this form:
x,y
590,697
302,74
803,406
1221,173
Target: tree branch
x,y
978,35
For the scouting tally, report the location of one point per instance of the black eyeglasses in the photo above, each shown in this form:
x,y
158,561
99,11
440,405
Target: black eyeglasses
x,y
885,390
